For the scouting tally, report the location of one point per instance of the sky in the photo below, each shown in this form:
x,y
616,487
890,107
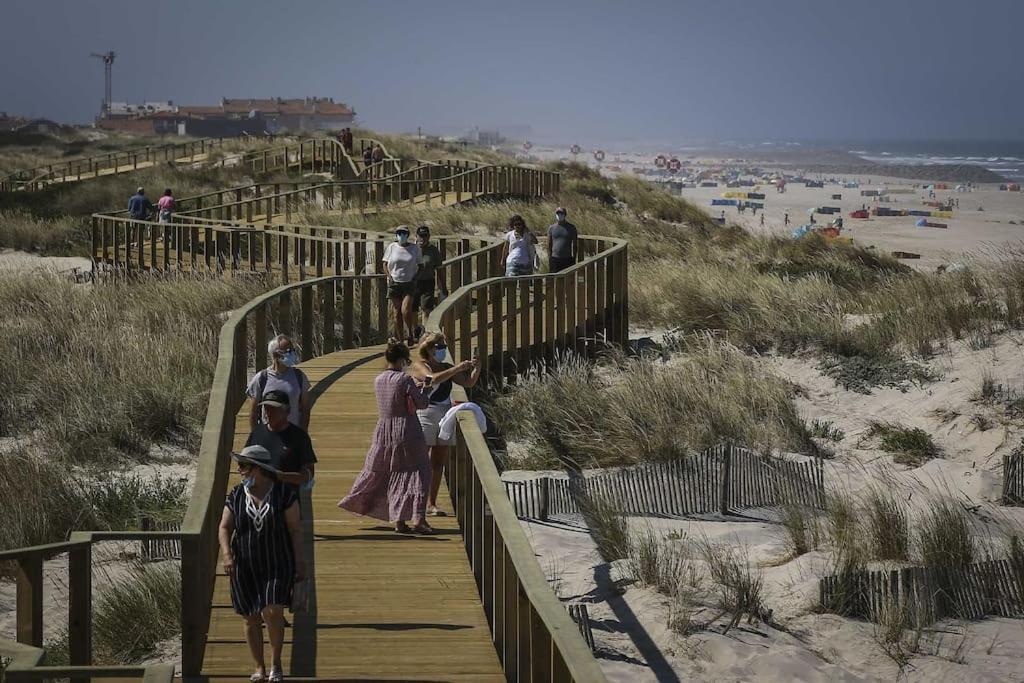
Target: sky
x,y
682,70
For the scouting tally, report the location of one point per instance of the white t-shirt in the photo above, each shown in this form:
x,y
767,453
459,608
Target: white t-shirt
x,y
402,262
520,249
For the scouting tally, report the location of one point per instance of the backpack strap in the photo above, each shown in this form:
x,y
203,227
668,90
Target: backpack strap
x,y
261,385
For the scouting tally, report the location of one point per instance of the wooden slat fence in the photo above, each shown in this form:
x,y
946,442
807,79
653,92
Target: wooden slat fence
x,y
994,587
683,487
579,614
1013,479
151,550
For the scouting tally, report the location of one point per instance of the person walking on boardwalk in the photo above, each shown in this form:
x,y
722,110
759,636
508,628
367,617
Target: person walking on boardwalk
x,y
402,261
433,364
165,206
563,239
785,218
367,156
424,299
346,140
519,250
139,206
378,153
260,544
395,479
281,375
289,445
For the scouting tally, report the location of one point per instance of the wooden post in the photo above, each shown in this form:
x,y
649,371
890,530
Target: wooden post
x,y
725,479
80,605
330,292
306,305
29,601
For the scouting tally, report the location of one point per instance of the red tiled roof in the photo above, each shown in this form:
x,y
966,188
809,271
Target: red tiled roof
x,y
323,106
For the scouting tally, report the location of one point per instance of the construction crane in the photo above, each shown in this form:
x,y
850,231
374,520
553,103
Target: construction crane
x,y
108,62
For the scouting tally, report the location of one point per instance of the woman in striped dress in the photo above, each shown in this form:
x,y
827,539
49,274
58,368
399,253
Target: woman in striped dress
x,y
261,545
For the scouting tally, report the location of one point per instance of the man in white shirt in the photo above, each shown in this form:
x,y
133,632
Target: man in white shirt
x,y
402,260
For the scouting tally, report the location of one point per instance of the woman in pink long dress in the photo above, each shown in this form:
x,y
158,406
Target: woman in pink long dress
x,y
395,479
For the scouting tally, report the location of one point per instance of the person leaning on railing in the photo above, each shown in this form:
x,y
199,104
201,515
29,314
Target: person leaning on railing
x,y
165,206
261,548
139,206
433,363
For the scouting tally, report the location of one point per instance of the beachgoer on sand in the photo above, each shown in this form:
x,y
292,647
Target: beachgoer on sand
x,y
562,242
394,483
519,252
280,375
438,375
402,261
260,539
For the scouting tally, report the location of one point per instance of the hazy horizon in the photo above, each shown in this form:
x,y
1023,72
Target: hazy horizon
x,y
583,71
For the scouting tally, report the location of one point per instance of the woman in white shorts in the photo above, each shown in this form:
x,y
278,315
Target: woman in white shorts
x,y
433,364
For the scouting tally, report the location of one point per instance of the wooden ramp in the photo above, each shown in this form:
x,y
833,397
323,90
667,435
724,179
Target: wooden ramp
x,y
387,607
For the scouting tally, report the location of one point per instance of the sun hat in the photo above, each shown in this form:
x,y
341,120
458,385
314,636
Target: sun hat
x,y
402,228
257,456
423,231
275,399
561,209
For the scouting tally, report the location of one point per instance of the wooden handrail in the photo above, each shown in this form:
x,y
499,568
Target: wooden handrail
x,y
534,635
535,638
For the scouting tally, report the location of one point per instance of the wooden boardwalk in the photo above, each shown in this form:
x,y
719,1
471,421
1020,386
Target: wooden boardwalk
x,y
387,607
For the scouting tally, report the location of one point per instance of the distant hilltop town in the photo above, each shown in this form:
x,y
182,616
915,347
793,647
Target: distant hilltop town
x,y
230,117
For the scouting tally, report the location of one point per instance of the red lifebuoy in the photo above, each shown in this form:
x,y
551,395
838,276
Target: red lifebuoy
x,y
575,149
660,161
599,154
527,145
674,165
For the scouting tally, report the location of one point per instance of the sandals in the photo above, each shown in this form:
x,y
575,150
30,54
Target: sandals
x,y
275,675
434,512
403,528
424,529
258,677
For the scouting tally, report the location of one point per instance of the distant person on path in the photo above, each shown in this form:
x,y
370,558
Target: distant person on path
x,y
402,260
424,299
139,207
346,140
378,153
722,217
433,363
261,549
395,480
367,156
165,205
519,251
290,447
762,219
563,240
281,375
785,218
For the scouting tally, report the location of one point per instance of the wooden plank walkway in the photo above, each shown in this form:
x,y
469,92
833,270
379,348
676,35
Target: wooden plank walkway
x,y
121,169
387,607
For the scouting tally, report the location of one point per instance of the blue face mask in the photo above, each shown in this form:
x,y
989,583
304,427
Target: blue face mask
x,y
440,355
249,482
290,358
402,237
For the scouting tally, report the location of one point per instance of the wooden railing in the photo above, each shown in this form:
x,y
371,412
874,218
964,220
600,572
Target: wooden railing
x,y
115,162
511,324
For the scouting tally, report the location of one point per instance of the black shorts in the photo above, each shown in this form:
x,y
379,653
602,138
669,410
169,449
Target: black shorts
x,y
557,264
424,295
400,290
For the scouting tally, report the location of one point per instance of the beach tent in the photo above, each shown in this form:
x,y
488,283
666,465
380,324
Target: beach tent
x,y
921,223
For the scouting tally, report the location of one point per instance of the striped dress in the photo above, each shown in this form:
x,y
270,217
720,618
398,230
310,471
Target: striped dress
x,y
262,548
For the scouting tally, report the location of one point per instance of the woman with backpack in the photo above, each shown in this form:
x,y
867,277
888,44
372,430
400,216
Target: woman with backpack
x,y
281,375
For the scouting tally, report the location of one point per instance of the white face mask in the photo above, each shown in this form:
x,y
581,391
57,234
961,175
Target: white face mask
x,y
559,217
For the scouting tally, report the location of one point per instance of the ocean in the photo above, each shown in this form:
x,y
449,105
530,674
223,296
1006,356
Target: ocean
x,y
1005,157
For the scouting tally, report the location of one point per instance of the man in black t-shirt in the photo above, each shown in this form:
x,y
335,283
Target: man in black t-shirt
x,y
290,446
